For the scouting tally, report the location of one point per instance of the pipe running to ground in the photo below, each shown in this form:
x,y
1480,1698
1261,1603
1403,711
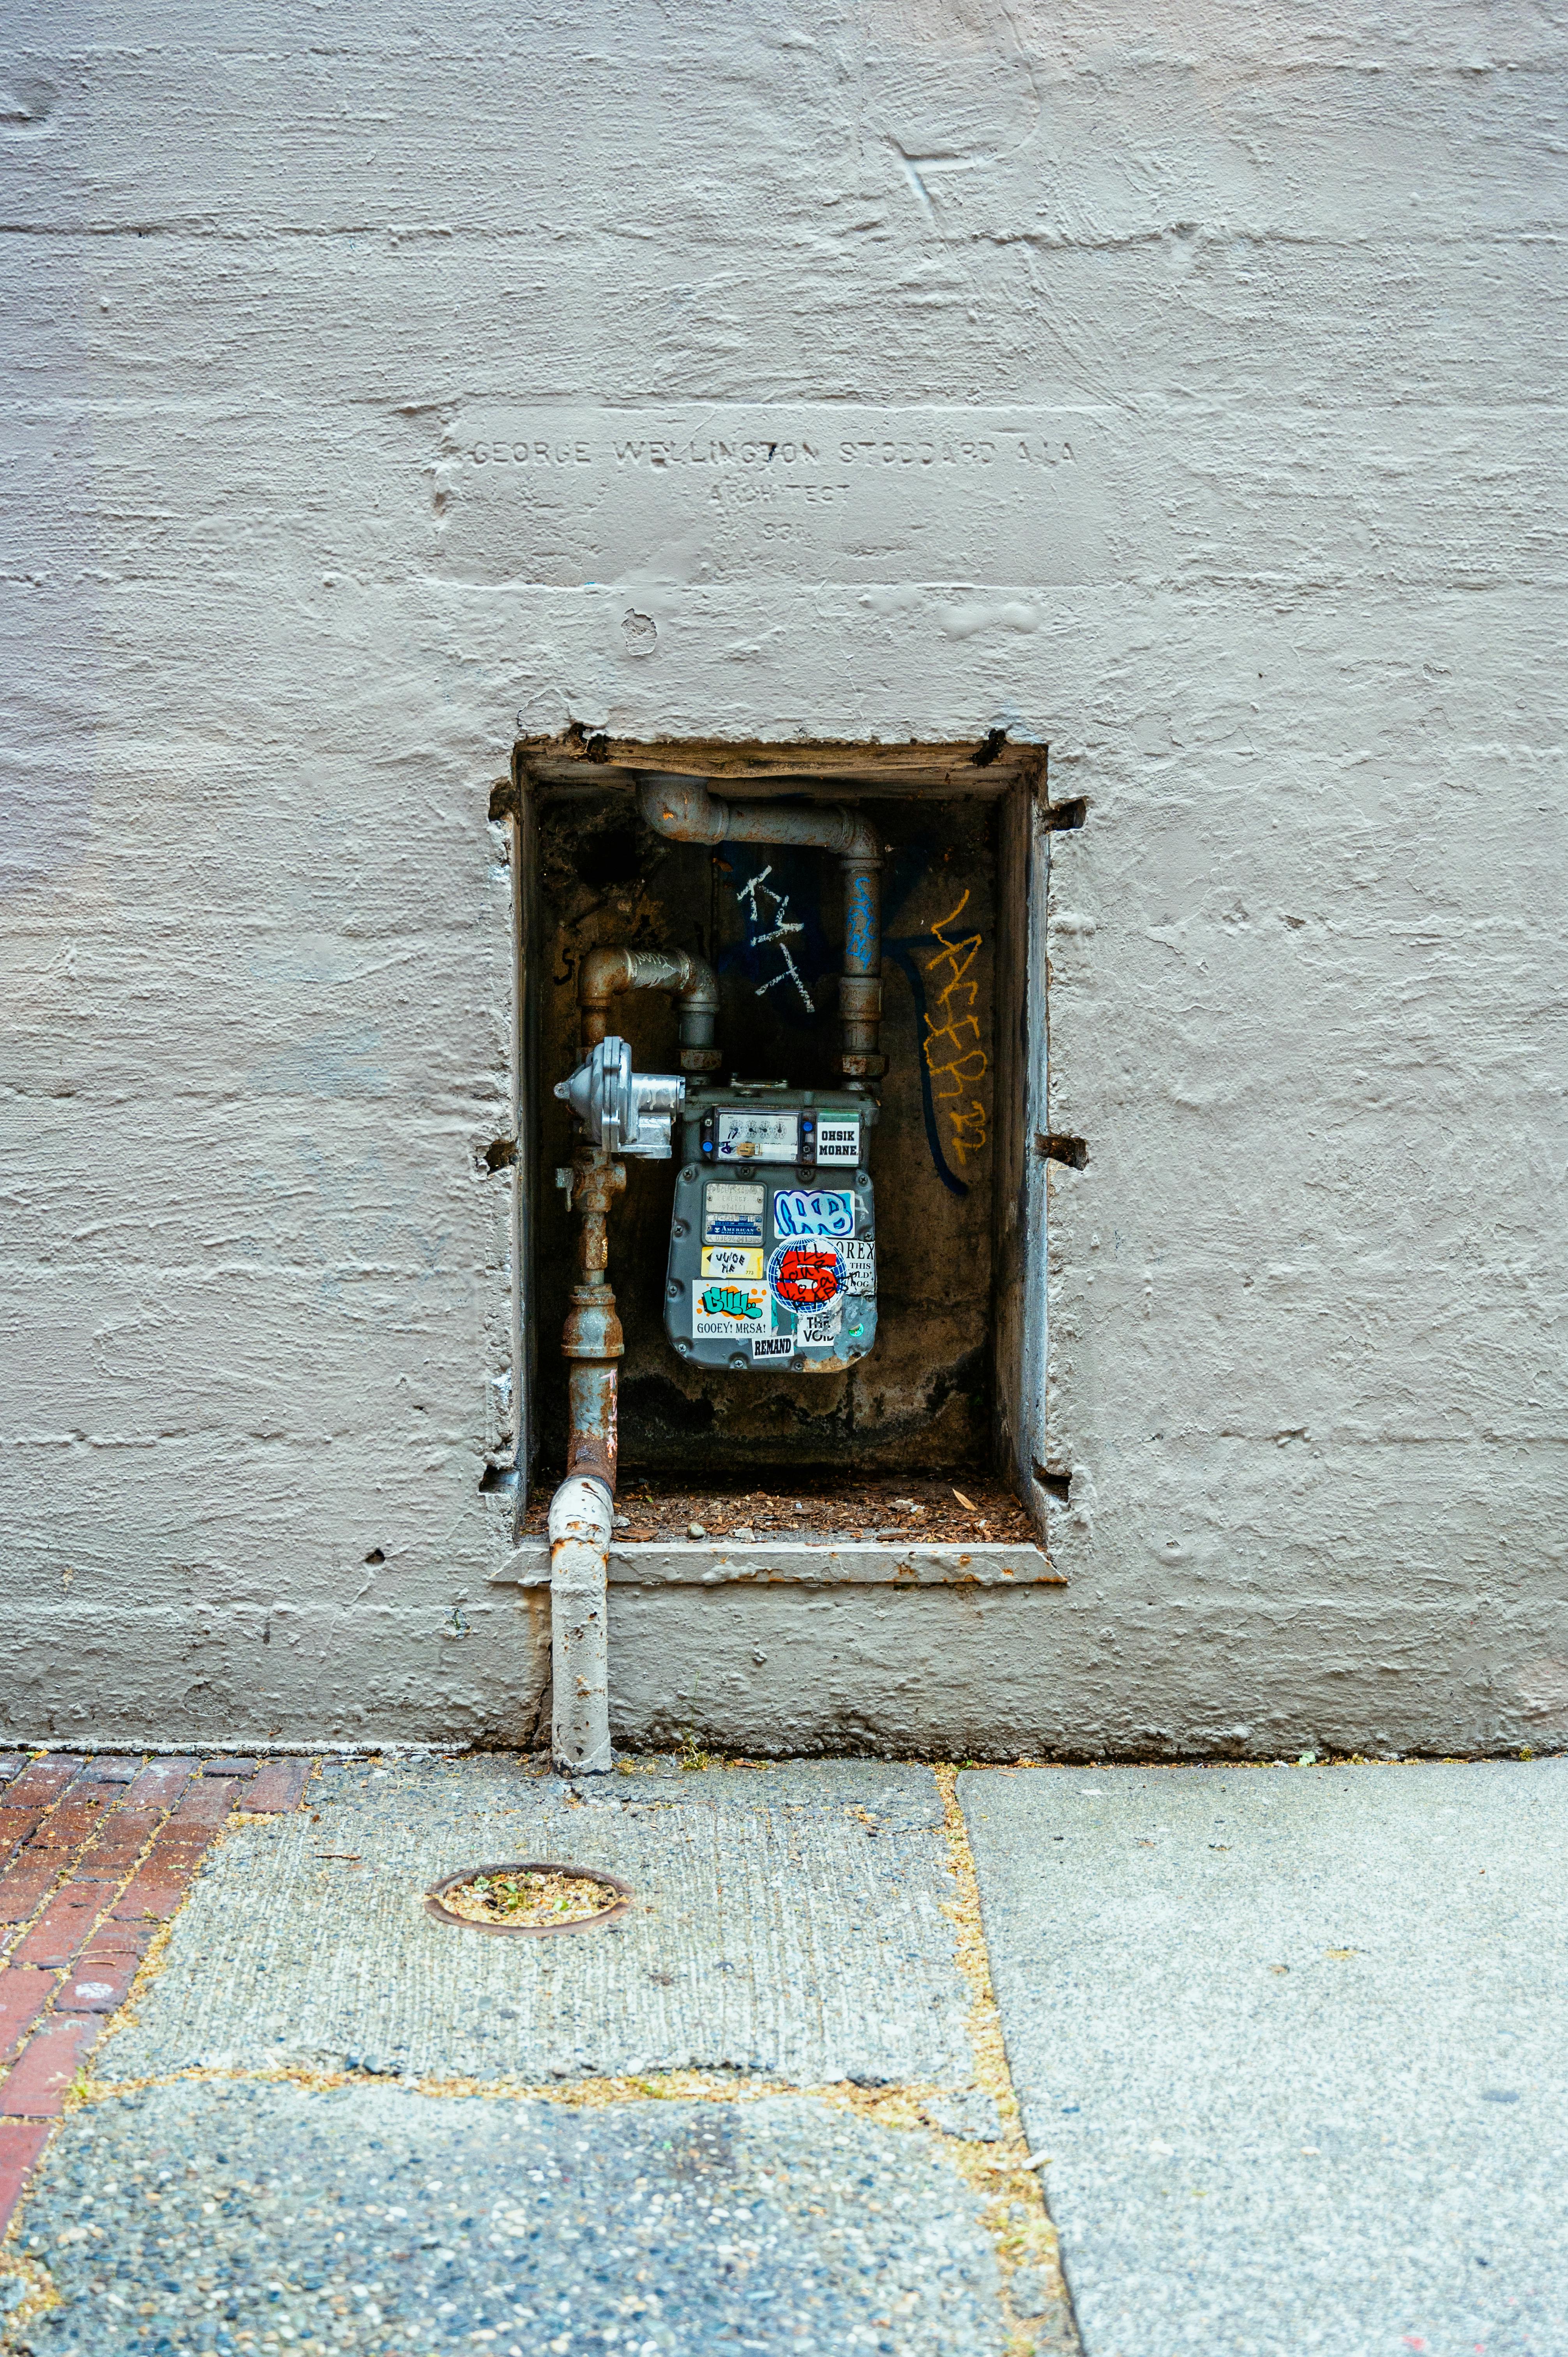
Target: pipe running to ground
x,y
684,809
579,1530
579,1629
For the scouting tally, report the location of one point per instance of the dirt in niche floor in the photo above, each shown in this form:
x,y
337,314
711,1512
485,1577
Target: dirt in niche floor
x,y
942,1513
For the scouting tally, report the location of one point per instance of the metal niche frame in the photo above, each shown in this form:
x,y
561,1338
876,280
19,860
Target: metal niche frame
x,y
610,1882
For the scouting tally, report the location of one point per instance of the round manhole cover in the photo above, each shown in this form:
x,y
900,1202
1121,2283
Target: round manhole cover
x,y
531,1896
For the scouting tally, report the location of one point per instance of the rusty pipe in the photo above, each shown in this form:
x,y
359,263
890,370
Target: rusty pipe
x,y
580,1512
604,972
685,810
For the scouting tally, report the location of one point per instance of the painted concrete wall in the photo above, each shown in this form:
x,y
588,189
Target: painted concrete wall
x,y
1259,305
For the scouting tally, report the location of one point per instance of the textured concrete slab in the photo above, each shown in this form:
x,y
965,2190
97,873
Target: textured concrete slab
x,y
1296,2040
207,2217
786,1921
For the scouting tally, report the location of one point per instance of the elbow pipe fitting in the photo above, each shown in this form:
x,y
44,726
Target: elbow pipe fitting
x,y
606,972
684,810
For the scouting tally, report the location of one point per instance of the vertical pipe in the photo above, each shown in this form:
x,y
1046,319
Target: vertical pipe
x,y
580,1512
579,1632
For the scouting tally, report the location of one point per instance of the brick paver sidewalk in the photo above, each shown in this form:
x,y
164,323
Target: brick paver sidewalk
x,y
97,1855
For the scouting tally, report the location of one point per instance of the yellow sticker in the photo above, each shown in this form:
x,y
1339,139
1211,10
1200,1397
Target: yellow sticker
x,y
731,1260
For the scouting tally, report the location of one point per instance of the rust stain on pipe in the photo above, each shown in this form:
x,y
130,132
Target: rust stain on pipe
x,y
606,972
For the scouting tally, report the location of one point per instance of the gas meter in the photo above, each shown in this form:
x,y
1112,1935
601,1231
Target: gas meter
x,y
773,1231
772,1260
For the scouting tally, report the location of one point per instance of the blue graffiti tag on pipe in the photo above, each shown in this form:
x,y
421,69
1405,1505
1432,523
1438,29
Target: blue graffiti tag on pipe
x,y
859,928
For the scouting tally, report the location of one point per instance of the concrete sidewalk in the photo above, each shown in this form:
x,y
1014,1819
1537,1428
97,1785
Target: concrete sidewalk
x,y
765,2112
1288,2043
1297,2043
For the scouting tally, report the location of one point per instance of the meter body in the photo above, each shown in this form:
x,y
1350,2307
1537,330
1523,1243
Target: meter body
x,y
772,1260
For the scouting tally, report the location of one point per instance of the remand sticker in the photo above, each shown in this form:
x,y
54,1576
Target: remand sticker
x,y
732,1260
726,1313
859,1267
731,1215
808,1276
772,1346
796,1213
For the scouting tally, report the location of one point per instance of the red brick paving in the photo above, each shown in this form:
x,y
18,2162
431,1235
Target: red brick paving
x,y
278,1787
21,2141
95,1856
34,2085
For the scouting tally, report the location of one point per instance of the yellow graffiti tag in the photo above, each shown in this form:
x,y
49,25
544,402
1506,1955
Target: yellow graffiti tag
x,y
952,1046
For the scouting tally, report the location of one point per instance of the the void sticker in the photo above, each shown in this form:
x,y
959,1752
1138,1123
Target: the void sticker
x,y
815,1329
732,1260
733,1215
724,1312
807,1275
859,1267
758,1136
798,1211
838,1141
772,1346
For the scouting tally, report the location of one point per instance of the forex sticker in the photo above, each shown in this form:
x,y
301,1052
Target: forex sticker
x,y
859,1267
838,1141
806,1277
798,1211
732,1260
721,1312
731,1215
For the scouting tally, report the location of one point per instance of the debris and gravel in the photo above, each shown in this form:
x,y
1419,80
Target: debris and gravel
x,y
525,1896
966,1509
243,2217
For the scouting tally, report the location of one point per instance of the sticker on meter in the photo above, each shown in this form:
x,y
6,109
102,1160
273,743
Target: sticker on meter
x,y
859,1267
838,1141
806,1277
798,1211
815,1329
732,1260
772,1346
731,1215
722,1313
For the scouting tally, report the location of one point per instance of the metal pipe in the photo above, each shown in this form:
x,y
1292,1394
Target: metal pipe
x,y
592,1344
604,972
579,1629
684,809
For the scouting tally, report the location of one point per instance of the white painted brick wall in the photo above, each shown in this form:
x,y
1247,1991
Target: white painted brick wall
x,y
1293,631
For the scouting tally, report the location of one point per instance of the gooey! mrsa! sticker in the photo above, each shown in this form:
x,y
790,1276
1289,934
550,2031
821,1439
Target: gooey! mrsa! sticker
x,y
736,1307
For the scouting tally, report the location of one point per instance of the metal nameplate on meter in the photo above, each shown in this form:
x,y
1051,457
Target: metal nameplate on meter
x,y
838,1141
733,1215
724,1311
758,1137
808,1211
732,1260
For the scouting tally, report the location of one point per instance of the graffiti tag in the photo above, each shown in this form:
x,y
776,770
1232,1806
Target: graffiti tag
x,y
952,1045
